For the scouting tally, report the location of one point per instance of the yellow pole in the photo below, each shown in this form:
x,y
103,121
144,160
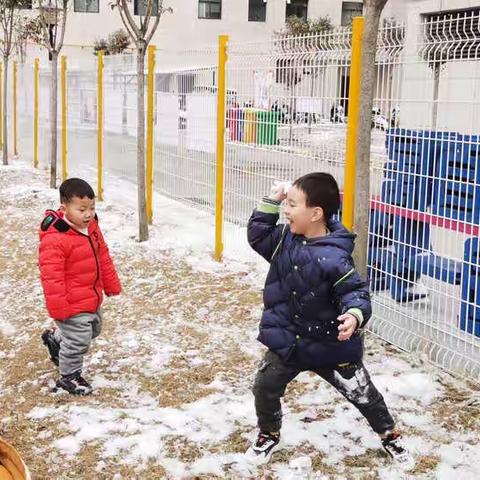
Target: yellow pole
x,y
1,104
150,100
35,113
221,96
352,127
100,126
64,117
15,150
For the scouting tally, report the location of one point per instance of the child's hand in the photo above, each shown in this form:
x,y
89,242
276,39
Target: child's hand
x,y
279,191
347,327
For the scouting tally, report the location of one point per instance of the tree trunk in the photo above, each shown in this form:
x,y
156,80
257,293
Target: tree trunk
x,y
53,121
5,111
142,202
362,189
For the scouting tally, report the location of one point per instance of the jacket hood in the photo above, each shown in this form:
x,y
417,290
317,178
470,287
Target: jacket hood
x,y
54,222
52,218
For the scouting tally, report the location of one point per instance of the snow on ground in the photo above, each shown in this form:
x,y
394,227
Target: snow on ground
x,y
173,368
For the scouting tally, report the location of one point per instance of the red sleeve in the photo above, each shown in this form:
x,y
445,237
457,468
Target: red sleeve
x,y
52,257
110,280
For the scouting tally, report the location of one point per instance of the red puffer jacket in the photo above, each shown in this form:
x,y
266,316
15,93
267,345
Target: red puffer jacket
x,y
75,269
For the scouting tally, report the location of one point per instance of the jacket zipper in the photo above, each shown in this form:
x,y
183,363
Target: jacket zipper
x,y
98,268
96,263
98,272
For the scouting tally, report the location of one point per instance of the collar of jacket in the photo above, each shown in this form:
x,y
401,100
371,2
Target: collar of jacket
x,y
339,236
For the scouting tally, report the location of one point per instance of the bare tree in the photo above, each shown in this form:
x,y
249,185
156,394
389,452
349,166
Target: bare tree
x,y
373,11
48,30
8,20
141,33
21,37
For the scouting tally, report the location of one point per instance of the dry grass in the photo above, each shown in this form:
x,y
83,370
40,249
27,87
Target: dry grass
x,y
426,464
180,448
145,304
457,409
234,443
369,459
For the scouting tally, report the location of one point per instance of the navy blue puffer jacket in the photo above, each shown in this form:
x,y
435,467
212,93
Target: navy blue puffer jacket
x,y
311,282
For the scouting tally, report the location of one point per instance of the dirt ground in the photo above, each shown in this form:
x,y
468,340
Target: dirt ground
x,y
166,301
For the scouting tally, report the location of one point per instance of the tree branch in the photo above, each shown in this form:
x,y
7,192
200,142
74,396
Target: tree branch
x,y
146,23
64,24
131,33
10,32
157,20
154,28
123,5
44,27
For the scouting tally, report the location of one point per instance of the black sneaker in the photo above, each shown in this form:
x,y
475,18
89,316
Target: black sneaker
x,y
394,446
74,384
49,341
263,447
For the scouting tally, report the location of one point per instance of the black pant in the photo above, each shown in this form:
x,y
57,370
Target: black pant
x,y
351,380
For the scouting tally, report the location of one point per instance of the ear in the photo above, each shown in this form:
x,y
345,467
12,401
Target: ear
x,y
62,207
317,215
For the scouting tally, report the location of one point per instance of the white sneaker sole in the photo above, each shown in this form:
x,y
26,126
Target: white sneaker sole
x,y
260,459
405,463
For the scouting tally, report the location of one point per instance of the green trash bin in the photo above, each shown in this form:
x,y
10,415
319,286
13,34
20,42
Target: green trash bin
x,y
267,127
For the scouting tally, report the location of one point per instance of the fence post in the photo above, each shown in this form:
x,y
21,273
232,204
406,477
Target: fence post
x,y
352,127
15,149
150,101
221,97
35,113
100,127
64,117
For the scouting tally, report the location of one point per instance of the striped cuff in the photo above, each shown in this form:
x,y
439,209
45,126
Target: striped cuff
x,y
358,314
267,205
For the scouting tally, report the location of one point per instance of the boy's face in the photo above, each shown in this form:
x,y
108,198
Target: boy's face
x,y
303,220
79,211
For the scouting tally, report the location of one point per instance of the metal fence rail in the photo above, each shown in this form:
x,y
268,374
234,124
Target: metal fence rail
x,y
425,211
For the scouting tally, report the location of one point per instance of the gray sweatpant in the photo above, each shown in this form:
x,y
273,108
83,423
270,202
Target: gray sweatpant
x,y
74,336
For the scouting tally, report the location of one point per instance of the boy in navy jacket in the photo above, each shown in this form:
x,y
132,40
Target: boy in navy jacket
x,y
316,305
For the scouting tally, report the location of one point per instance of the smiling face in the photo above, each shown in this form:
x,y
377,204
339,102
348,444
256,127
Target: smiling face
x,y
303,220
79,211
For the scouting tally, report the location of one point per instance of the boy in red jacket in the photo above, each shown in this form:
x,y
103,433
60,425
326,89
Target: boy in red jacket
x,y
75,270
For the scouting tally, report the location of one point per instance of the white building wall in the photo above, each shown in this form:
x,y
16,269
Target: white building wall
x,y
459,87
184,30
459,84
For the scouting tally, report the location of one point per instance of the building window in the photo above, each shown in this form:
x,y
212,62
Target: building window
x,y
85,6
257,10
210,9
140,8
297,8
350,10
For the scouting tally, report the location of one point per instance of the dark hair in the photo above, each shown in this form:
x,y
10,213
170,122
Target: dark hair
x,y
321,190
75,187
